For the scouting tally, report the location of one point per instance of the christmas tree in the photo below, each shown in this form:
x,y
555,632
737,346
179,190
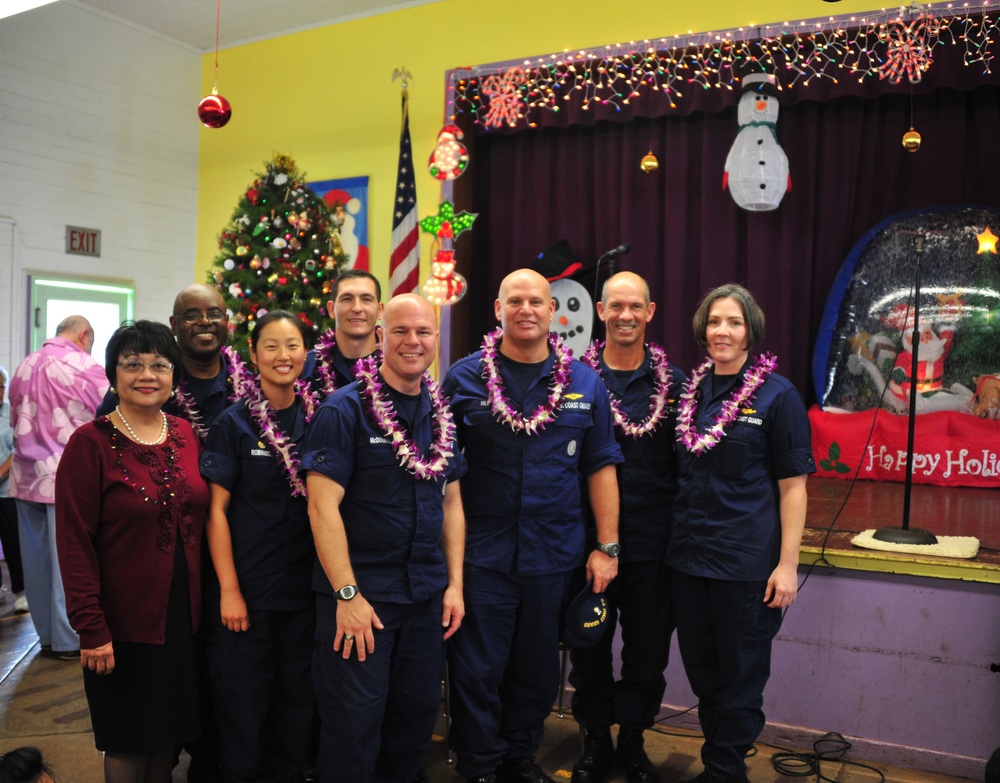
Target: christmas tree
x,y
280,251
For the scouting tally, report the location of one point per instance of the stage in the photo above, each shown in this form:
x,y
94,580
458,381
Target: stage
x,y
944,511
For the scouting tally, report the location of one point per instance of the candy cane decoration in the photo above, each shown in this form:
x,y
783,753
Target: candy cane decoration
x,y
504,93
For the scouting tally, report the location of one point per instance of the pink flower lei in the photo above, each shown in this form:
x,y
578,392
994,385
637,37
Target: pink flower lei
x,y
657,400
325,347
246,387
543,414
383,414
698,442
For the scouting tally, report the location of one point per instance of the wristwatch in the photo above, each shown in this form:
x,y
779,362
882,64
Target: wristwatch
x,y
612,549
347,592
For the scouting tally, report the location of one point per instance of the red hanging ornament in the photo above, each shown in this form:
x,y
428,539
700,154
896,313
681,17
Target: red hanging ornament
x,y
214,111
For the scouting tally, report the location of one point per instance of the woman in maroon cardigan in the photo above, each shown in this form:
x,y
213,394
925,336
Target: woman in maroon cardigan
x,y
130,510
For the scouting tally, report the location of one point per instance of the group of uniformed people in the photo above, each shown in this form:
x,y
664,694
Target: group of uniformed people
x,y
409,513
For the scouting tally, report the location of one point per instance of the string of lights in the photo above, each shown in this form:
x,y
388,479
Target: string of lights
x,y
891,45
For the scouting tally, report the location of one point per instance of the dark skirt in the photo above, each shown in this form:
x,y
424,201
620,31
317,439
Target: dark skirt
x,y
149,703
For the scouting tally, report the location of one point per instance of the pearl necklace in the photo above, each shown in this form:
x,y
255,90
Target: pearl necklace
x,y
163,430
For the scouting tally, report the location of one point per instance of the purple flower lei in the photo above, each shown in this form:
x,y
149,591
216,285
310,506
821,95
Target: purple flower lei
x,y
383,414
188,410
499,403
697,442
246,387
657,400
324,360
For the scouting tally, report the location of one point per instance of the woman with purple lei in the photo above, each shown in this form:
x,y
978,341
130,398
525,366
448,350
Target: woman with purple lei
x,y
744,453
259,608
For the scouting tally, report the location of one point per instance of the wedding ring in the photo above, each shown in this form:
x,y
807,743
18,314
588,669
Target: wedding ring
x,y
348,637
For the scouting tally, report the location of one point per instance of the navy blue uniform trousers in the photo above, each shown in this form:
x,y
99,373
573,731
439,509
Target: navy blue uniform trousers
x,y
503,665
377,716
638,600
724,632
264,703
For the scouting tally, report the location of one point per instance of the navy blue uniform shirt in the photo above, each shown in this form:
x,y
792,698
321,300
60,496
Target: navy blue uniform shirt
x,y
726,523
648,478
272,541
393,520
522,496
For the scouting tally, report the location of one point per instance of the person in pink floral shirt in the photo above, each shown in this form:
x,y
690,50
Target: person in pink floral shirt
x,y
53,391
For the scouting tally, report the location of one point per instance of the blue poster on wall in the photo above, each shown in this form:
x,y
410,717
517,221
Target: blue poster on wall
x,y
348,201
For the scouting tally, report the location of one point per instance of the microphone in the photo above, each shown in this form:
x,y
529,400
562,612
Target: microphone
x,y
621,250
918,243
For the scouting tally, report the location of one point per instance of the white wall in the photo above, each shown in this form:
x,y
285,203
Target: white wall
x,y
98,128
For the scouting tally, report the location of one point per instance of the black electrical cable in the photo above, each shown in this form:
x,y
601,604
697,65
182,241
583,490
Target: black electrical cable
x,y
831,747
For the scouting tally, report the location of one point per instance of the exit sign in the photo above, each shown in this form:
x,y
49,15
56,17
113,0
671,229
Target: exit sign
x,y
83,241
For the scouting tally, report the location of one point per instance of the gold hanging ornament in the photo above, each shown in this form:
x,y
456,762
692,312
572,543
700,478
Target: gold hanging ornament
x,y
649,163
911,140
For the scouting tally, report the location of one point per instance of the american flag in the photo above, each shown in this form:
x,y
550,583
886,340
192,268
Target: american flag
x,y
404,263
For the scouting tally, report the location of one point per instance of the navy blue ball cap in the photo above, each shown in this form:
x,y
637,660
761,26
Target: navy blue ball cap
x,y
587,618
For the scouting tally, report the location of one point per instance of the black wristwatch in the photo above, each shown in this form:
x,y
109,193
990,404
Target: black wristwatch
x,y
347,592
612,549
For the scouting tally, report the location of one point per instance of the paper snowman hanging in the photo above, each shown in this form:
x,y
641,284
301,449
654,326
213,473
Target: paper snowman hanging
x,y
574,317
756,167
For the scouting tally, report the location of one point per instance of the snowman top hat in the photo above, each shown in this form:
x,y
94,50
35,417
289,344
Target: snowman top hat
x,y
760,82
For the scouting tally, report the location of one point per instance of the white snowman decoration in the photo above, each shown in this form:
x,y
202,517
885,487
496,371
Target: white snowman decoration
x,y
574,317
756,167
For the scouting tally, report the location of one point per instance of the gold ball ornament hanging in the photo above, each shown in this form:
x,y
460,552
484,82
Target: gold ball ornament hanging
x,y
911,140
649,163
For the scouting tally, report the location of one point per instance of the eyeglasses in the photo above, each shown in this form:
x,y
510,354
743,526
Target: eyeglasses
x,y
133,366
213,316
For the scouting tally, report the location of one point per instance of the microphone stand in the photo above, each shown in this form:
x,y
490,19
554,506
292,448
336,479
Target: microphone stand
x,y
906,534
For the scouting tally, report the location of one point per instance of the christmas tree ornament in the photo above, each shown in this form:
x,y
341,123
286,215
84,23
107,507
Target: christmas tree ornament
x,y
756,168
450,157
649,163
214,111
912,141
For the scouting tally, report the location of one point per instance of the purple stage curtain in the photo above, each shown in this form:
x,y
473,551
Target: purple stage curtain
x,y
580,180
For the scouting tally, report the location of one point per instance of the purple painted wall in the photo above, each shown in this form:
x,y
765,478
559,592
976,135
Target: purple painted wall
x,y
899,665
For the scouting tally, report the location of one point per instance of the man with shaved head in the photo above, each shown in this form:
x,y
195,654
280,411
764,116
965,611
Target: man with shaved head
x,y
535,426
644,388
386,515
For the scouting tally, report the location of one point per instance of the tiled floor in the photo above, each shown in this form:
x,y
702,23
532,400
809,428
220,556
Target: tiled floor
x,y
42,704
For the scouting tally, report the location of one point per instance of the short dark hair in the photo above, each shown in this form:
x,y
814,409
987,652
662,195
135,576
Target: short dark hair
x,y
351,274
23,765
142,336
753,316
271,317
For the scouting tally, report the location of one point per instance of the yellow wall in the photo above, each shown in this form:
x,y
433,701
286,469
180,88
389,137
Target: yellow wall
x,y
326,98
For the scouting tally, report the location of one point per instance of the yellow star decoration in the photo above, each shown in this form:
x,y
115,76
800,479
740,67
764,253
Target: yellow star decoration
x,y
987,242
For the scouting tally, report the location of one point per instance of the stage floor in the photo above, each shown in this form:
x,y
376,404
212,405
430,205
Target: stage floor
x,y
944,511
